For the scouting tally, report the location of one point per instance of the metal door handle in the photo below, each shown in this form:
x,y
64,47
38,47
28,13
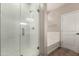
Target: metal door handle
x,y
23,32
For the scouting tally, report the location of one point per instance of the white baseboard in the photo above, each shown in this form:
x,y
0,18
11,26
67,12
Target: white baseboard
x,y
53,47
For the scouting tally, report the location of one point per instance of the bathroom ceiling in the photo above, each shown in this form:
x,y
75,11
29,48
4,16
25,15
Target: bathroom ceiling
x,y
53,6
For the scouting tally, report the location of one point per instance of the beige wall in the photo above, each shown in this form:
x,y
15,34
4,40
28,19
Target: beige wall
x,y
53,22
55,15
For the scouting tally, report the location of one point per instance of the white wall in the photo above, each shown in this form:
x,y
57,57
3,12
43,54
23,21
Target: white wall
x,y
53,37
53,34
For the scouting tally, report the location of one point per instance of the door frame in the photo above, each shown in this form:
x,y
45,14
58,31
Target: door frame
x,y
43,29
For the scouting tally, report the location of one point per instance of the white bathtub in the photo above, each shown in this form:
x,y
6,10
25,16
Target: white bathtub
x,y
53,41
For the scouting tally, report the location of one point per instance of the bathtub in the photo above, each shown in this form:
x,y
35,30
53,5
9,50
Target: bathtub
x,y
53,41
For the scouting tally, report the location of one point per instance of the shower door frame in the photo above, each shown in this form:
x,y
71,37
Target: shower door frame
x,y
43,29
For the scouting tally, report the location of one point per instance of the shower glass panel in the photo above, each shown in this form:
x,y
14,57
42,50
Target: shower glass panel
x,y
29,29
10,35
19,29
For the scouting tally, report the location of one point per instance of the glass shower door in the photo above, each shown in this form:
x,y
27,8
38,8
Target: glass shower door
x,y
29,29
19,29
10,29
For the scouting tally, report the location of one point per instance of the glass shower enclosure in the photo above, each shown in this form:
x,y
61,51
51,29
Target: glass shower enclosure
x,y
19,29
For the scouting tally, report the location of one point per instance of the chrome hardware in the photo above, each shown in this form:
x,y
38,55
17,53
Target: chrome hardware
x,y
23,32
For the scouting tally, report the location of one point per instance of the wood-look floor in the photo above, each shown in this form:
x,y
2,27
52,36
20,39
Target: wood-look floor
x,y
63,52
